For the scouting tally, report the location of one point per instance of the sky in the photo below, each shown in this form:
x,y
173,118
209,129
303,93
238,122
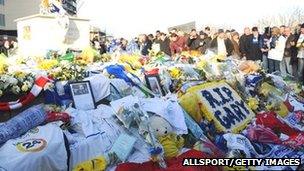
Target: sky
x,y
128,18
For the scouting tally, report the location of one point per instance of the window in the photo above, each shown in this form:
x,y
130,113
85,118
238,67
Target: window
x,y
2,20
1,2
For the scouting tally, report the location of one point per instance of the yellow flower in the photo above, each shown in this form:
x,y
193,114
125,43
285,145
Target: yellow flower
x,y
24,88
267,88
132,60
185,53
15,89
98,163
220,57
47,64
19,74
175,73
88,54
3,64
269,107
282,110
195,53
202,64
253,103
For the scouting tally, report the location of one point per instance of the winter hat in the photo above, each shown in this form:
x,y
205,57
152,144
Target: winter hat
x,y
220,30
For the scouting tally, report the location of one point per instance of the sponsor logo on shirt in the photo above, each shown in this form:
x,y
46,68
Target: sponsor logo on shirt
x,y
31,145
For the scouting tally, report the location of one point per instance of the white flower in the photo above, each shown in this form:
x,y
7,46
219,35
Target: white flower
x,y
28,83
1,93
58,69
24,87
13,81
5,85
49,86
5,78
78,69
15,89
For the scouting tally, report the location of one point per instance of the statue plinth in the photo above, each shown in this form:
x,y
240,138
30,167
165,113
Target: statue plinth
x,y
37,34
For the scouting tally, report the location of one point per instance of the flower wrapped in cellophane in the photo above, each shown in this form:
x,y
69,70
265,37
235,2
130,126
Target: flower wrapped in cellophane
x,y
68,71
17,83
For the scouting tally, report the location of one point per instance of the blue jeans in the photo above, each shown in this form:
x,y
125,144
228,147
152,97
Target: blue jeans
x,y
300,69
285,67
274,65
265,62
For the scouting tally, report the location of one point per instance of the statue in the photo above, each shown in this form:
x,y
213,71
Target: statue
x,y
54,7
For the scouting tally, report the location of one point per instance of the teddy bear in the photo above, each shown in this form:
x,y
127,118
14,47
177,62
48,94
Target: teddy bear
x,y
163,132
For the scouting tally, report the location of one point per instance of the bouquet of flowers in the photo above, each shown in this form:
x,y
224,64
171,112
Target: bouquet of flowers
x,y
68,71
48,64
131,60
106,57
88,55
17,83
3,64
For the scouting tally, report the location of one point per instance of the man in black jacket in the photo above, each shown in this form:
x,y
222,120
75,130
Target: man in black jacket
x,y
204,42
193,41
254,44
145,44
244,41
164,44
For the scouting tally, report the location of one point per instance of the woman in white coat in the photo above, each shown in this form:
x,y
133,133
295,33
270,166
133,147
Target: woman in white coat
x,y
276,52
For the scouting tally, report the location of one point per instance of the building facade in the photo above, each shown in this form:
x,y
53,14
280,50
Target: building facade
x,y
10,10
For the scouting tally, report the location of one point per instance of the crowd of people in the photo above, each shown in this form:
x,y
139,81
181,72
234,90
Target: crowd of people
x,y
279,48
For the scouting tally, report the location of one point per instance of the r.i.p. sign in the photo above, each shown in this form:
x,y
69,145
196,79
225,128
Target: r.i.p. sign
x,y
217,101
224,106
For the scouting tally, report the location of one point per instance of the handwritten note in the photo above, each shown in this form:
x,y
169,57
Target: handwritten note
x,y
123,146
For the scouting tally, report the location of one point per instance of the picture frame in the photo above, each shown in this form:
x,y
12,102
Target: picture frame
x,y
153,83
82,94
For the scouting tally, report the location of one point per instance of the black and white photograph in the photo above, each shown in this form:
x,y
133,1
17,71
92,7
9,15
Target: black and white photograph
x,y
80,89
82,95
153,83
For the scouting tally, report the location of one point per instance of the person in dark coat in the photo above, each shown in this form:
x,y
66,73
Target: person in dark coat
x,y
164,44
294,59
221,45
254,45
145,44
236,47
289,52
244,41
4,47
300,54
103,47
205,41
265,47
193,41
